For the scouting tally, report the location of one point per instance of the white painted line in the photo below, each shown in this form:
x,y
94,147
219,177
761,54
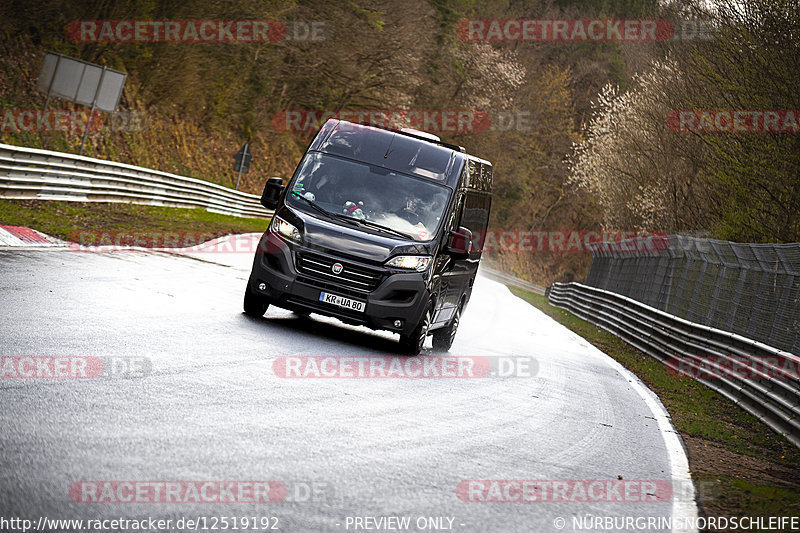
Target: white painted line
x,y
684,508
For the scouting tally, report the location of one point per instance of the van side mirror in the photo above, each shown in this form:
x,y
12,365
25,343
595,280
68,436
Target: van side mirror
x,y
272,191
459,242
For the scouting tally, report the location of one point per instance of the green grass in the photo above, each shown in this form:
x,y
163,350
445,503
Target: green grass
x,y
759,499
67,220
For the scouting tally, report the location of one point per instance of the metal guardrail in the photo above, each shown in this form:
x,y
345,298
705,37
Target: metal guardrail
x,y
750,373
33,174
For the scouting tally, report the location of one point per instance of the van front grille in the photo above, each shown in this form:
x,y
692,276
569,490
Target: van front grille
x,y
353,276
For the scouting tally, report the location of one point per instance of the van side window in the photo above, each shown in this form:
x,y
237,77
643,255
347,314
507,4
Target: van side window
x,y
476,216
455,216
474,172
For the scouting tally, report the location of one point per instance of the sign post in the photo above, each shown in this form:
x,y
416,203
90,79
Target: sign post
x,y
242,161
91,113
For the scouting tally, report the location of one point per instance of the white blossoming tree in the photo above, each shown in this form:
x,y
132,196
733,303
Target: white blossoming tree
x,y
641,174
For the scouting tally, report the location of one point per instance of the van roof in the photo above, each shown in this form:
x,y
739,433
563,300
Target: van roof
x,y
384,147
404,152
421,135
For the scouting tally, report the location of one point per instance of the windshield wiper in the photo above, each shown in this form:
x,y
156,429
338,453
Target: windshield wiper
x,y
351,220
328,214
315,206
381,227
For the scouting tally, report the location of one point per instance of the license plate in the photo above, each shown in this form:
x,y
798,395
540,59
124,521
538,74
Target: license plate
x,y
341,301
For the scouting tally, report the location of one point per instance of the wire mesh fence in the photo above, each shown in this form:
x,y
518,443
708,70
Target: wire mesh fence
x,y
749,289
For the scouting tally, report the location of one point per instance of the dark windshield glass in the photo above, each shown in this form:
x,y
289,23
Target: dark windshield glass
x,y
408,205
391,150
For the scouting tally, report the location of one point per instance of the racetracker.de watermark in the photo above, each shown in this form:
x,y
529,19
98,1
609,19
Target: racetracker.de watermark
x,y
403,367
52,120
570,241
196,31
134,491
564,491
582,30
747,368
734,121
163,241
73,367
429,120
565,30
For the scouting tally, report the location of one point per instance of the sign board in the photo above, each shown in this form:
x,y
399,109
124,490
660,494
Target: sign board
x,y
81,82
242,159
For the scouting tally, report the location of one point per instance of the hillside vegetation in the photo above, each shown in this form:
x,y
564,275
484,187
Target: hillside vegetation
x,y
579,134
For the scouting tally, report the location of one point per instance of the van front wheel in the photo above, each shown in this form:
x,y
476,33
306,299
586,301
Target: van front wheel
x,y
254,305
443,338
412,344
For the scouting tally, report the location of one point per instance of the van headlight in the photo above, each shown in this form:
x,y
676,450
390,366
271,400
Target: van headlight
x,y
285,229
410,262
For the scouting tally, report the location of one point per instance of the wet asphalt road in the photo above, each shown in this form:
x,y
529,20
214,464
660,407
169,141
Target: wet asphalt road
x,y
211,407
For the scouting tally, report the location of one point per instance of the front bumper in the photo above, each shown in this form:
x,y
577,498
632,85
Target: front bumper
x,y
400,296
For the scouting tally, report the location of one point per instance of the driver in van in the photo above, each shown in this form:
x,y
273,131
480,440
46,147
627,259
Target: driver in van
x,y
414,211
326,187
411,209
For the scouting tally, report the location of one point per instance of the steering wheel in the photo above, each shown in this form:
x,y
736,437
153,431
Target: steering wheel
x,y
411,216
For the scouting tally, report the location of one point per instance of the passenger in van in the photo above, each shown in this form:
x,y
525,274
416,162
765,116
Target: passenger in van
x,y
327,187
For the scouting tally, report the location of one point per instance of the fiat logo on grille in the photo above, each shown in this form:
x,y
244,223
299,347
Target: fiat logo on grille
x,y
337,268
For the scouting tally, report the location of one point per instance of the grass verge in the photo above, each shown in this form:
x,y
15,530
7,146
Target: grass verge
x,y
67,220
740,466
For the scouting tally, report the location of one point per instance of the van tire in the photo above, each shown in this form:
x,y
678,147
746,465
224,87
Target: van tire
x,y
412,344
254,305
443,338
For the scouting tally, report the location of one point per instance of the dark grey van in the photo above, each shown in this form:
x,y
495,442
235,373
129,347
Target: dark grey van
x,y
375,228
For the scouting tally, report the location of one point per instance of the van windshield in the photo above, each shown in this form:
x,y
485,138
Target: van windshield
x,y
411,206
